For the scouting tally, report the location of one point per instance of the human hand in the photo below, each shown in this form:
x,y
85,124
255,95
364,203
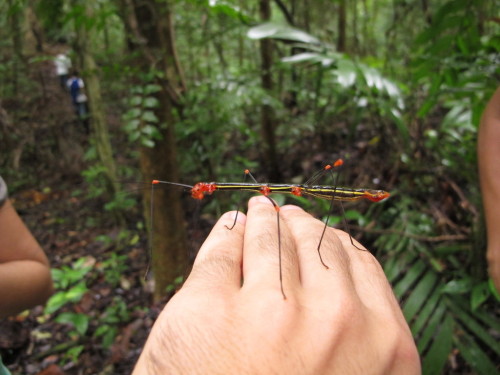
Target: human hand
x,y
342,320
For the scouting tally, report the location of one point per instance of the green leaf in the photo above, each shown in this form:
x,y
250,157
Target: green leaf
x,y
74,352
353,215
151,131
135,101
302,57
280,31
397,264
230,10
411,276
151,102
486,318
419,295
440,349
150,117
474,355
493,289
109,336
458,286
432,327
134,240
151,89
55,302
132,125
469,321
346,72
76,293
147,142
132,113
79,321
426,311
480,293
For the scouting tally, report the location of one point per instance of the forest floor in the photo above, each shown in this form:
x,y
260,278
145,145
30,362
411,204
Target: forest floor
x,y
52,198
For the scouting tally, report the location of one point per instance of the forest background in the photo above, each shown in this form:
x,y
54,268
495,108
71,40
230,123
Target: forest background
x,y
199,90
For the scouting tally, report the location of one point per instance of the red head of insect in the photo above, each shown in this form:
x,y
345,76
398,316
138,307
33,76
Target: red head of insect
x,y
200,189
376,195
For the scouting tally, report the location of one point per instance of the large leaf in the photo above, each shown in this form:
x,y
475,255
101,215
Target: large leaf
x,y
430,304
228,9
275,30
437,302
475,355
419,294
435,360
433,324
409,279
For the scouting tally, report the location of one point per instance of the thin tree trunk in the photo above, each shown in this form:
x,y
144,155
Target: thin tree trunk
x,y
14,19
354,28
126,12
267,113
341,40
98,117
169,245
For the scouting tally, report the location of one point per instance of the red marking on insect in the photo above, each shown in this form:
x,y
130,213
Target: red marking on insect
x,y
200,189
296,190
265,190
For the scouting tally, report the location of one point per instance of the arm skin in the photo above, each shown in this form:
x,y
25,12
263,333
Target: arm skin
x,y
341,320
25,279
488,151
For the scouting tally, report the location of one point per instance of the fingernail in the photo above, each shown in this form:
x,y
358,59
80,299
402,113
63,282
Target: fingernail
x,y
258,199
290,207
240,217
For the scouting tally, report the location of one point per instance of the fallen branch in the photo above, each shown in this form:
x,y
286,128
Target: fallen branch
x,y
441,238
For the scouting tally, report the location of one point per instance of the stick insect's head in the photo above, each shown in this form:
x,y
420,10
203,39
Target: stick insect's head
x,y
376,195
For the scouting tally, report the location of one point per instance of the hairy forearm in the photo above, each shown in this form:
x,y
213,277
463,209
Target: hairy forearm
x,y
24,284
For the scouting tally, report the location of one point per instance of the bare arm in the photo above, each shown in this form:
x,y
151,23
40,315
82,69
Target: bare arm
x,y
25,279
488,149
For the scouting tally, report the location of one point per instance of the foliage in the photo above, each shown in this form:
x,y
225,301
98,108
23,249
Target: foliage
x,y
217,111
403,99
114,315
72,286
141,124
443,304
431,280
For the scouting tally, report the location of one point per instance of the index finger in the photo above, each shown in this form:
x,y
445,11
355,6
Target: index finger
x,y
218,262
269,255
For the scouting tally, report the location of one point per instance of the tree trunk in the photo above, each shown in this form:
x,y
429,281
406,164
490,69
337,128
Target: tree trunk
x,y
169,247
341,40
267,113
93,88
14,20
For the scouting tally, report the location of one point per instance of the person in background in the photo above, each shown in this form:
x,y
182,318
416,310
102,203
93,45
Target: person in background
x,y
25,279
78,98
231,318
63,64
488,152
